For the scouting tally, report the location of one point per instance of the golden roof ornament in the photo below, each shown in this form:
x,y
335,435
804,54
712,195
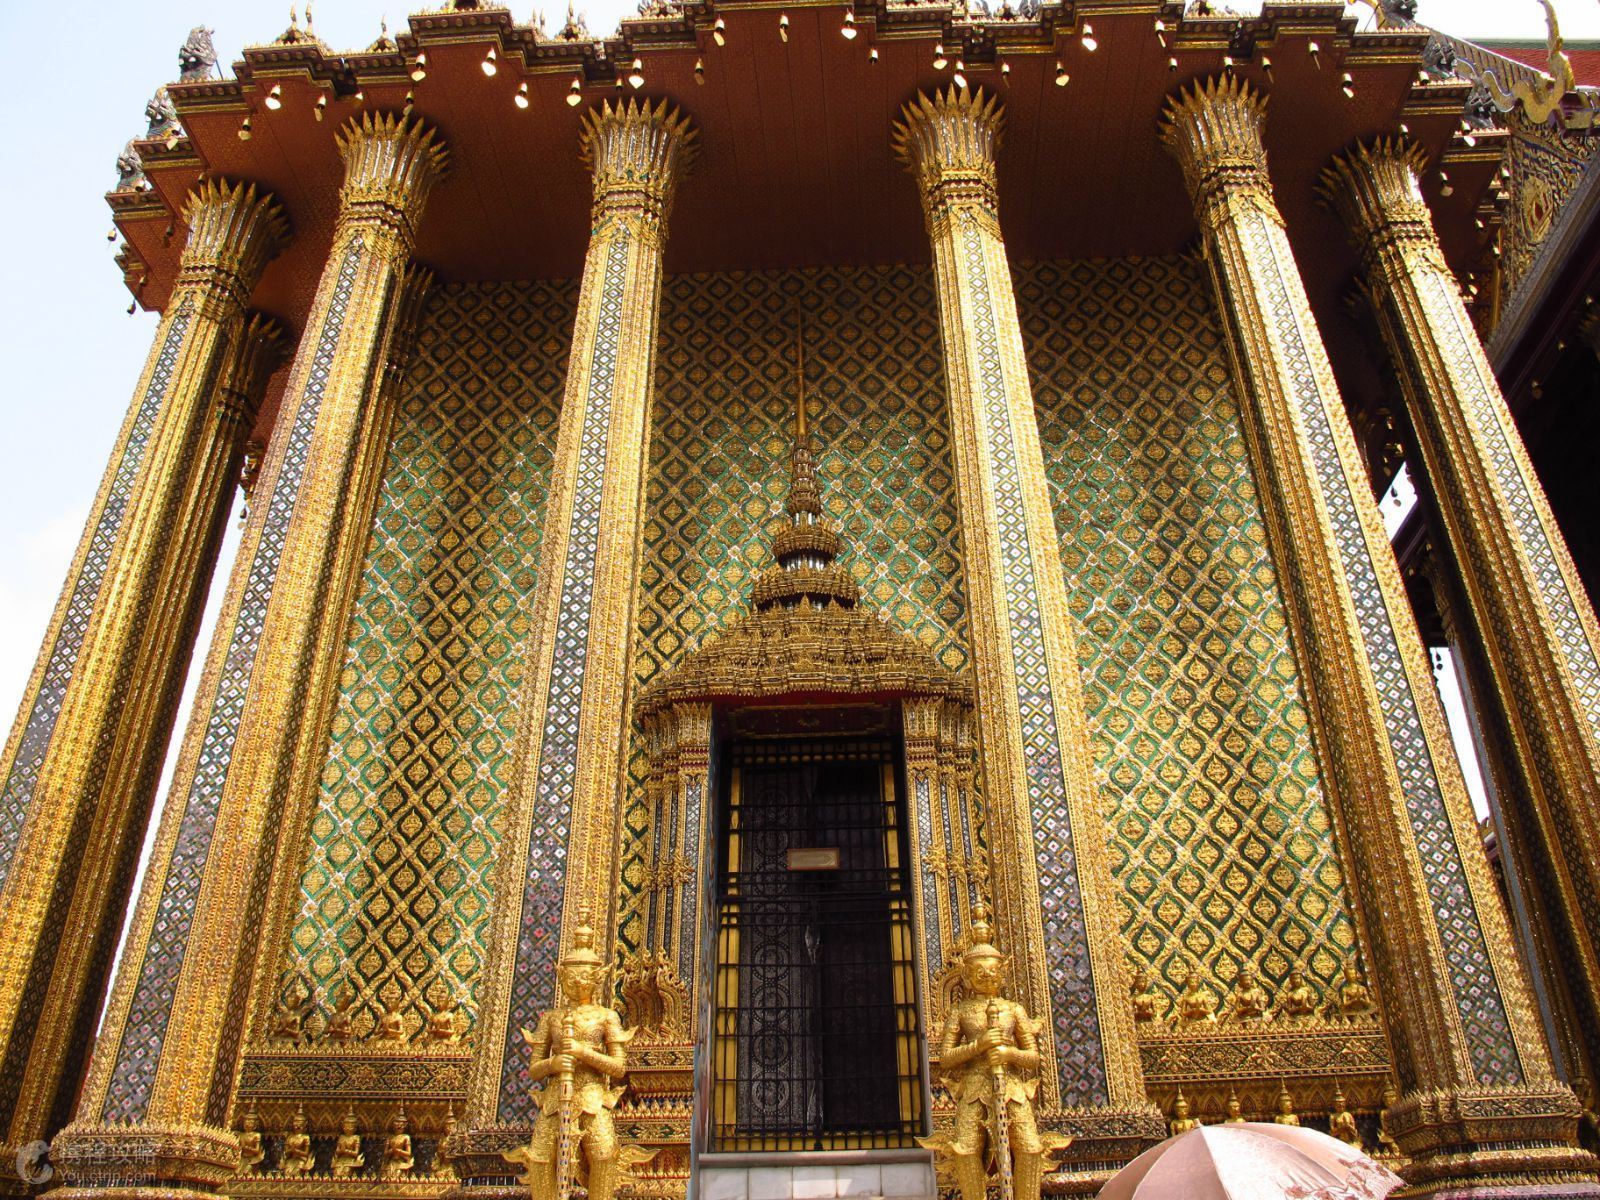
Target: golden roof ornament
x,y
197,57
806,550
574,29
582,952
981,931
384,44
1540,93
806,631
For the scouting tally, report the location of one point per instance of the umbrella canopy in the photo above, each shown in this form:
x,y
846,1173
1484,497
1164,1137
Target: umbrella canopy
x,y
1251,1161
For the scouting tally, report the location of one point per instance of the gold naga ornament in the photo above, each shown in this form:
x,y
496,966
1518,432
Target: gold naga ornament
x,y
989,1059
580,1051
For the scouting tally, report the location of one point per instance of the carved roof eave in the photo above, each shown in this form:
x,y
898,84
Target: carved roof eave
x,y
802,654
691,26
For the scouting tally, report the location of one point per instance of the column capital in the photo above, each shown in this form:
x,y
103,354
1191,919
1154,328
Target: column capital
x,y
391,165
1213,128
235,230
637,153
948,141
255,353
1374,189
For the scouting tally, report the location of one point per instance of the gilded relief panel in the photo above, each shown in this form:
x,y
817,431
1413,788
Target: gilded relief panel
x,y
1543,168
393,901
1221,839
725,396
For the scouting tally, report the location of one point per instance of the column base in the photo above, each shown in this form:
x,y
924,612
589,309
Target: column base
x,y
1491,1142
143,1162
1104,1140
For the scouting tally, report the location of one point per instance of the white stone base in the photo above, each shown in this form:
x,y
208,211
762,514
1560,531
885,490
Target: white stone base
x,y
816,1175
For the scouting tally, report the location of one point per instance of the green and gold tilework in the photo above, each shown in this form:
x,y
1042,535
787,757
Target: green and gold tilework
x,y
397,882
725,394
1221,840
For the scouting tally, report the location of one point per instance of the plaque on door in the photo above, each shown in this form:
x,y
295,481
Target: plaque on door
x,y
814,858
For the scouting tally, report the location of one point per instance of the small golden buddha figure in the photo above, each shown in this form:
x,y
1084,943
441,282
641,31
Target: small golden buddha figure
x,y
581,1049
297,1159
989,1056
1285,1114
1249,1001
391,1026
341,1021
1144,997
1355,998
1387,1146
1298,1000
1182,1122
397,1156
1342,1122
441,1157
444,1026
1197,1005
286,1023
347,1156
1235,1113
251,1151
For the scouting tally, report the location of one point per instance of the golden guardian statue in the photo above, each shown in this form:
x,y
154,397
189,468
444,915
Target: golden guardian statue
x,y
580,1051
989,1058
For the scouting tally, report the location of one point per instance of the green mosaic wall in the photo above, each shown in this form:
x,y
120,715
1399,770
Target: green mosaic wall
x,y
719,462
395,893
1220,834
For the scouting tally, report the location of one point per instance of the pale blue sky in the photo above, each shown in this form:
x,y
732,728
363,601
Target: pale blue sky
x,y
73,91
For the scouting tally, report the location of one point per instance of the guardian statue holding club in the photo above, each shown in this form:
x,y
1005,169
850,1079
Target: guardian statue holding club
x,y
580,1052
989,1057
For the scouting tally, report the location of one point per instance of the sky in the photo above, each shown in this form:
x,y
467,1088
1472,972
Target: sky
x,y
70,349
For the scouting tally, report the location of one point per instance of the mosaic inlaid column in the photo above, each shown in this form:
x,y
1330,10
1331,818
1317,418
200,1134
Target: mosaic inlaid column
x,y
1533,619
558,855
1052,876
1525,867
84,758
1467,1044
154,1111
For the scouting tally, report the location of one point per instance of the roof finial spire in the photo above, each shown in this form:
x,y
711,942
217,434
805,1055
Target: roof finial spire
x,y
805,503
806,549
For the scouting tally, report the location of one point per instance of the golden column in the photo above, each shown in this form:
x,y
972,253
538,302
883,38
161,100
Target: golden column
x,y
559,851
1532,616
154,1111
85,755
1051,872
1466,1043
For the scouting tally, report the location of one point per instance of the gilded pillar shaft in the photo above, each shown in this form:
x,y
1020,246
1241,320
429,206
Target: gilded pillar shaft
x,y
1052,879
86,753
1533,619
1524,845
1461,1024
169,1046
559,853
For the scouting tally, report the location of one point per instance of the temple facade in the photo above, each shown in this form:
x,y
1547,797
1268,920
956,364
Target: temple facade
x,y
764,509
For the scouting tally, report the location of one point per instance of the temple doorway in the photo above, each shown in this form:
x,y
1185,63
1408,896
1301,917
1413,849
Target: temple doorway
x,y
814,1015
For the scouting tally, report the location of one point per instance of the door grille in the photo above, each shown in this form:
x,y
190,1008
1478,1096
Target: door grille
x,y
815,1037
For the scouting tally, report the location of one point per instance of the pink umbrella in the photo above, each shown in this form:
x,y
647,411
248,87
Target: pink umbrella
x,y
1251,1161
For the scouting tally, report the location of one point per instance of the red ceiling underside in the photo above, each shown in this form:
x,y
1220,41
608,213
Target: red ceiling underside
x,y
794,166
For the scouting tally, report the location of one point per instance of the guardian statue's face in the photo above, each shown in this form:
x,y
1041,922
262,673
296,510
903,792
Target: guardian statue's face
x,y
982,975
580,981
